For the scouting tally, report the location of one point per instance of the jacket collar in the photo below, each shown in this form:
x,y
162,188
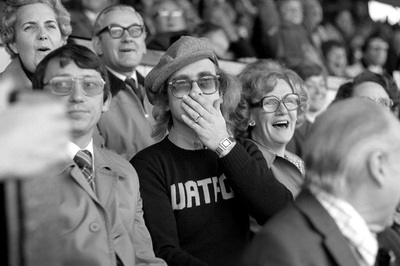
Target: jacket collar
x,y
116,84
107,173
102,161
336,244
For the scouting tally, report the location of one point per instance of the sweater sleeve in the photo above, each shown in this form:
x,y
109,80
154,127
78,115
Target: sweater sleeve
x,y
144,253
159,216
252,180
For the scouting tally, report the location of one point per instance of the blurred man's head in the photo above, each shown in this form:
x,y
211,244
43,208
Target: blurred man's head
x,y
335,55
168,16
291,11
315,81
375,51
352,152
379,88
96,6
313,13
219,39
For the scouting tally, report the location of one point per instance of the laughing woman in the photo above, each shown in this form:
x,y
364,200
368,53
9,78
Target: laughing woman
x,y
275,100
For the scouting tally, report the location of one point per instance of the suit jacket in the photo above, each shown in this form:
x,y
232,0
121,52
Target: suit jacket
x,y
96,228
126,126
303,234
389,239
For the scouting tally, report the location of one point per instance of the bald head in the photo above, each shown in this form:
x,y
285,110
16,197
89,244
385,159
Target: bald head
x,y
342,139
100,23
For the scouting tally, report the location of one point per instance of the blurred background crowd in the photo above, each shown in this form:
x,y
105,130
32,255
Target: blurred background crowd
x,y
333,47
338,35
335,40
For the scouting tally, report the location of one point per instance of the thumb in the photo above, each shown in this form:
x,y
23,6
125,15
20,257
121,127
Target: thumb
x,y
217,104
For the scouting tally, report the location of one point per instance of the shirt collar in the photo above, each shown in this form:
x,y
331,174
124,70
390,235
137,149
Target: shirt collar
x,y
185,142
351,224
123,77
270,157
73,149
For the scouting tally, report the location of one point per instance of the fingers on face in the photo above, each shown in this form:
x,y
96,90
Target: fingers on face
x,y
198,104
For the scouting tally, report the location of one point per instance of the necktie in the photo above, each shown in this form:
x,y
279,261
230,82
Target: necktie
x,y
131,83
84,161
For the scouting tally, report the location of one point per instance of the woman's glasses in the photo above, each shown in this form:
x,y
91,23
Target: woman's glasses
x,y
271,103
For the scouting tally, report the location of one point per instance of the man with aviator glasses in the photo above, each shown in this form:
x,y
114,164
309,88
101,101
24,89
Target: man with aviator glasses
x,y
100,212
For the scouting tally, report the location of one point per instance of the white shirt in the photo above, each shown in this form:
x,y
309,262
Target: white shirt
x,y
73,149
123,77
352,226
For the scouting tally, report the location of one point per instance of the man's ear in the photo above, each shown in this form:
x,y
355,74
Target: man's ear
x,y
376,166
145,49
106,103
97,46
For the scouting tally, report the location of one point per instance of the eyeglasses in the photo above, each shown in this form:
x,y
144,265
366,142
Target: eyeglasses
x,y
181,87
378,46
117,31
271,103
385,102
63,85
169,13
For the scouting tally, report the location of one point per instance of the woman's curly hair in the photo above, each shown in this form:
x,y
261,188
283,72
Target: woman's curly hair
x,y
259,78
9,19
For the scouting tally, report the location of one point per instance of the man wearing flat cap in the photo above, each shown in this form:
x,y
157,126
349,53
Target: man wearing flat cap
x,y
199,184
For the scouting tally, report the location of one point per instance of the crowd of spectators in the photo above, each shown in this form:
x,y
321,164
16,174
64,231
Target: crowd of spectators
x,y
338,35
257,153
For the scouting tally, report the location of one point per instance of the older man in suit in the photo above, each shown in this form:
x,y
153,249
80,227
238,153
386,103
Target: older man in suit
x,y
119,40
100,208
351,192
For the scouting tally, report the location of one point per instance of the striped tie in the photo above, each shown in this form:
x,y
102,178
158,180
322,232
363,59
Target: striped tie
x,y
84,160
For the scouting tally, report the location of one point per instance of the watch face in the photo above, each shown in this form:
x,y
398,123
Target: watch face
x,y
225,143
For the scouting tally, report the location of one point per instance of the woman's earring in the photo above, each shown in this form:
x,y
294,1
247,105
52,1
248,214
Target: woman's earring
x,y
252,123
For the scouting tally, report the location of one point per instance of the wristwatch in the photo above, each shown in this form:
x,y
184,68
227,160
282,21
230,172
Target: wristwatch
x,y
224,145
